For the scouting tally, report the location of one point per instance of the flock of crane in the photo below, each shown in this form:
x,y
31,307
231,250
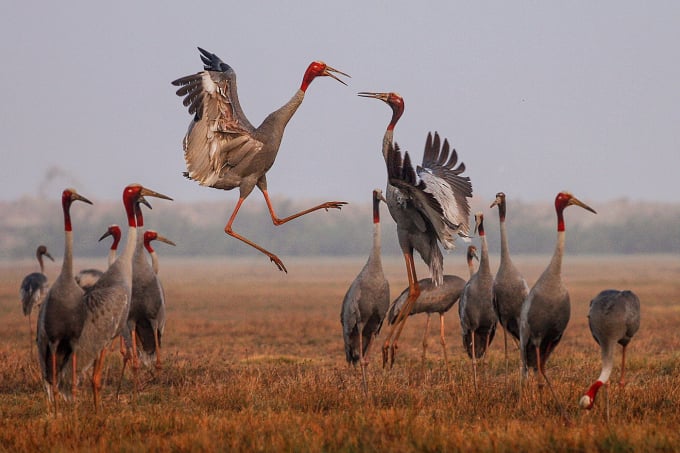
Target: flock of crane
x,y
81,315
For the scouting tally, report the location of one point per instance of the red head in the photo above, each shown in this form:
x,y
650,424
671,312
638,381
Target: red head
x,y
113,231
588,400
134,194
500,202
151,235
68,196
562,201
319,69
394,100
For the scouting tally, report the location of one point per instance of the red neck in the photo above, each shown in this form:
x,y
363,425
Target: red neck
x,y
147,246
376,209
480,228
129,201
66,206
560,219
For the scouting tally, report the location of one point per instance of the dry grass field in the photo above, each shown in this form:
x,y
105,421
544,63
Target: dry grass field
x,y
254,361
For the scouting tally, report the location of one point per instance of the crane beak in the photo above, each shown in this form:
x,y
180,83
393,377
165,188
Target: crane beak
x,y
105,235
76,196
367,94
379,195
575,201
496,202
164,239
48,255
150,193
329,71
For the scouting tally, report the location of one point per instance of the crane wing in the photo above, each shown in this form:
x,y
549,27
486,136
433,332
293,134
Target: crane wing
x,y
432,196
220,135
442,178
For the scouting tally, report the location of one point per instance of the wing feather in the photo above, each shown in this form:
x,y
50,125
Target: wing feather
x,y
220,137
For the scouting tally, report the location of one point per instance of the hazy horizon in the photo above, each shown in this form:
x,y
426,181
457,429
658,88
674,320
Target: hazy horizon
x,y
535,97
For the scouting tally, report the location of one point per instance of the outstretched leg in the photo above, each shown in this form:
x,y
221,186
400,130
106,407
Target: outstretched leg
x,y
277,221
390,346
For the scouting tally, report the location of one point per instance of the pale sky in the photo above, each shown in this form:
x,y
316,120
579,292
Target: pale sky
x,y
535,96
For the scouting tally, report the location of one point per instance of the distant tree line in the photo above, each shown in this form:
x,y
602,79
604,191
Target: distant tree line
x,y
620,227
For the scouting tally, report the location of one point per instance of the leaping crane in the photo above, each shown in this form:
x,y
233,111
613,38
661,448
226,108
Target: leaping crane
x,y
223,150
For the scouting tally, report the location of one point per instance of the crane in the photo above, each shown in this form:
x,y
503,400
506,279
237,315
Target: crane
x,y
106,305
428,211
33,289
146,319
223,150
509,286
477,315
366,301
614,317
546,310
86,278
61,316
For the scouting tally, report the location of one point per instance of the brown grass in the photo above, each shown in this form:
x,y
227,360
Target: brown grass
x,y
254,361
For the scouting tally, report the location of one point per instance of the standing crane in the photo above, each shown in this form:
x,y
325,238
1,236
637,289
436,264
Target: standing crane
x,y
509,287
222,149
106,305
33,289
477,315
146,319
614,317
546,310
427,212
366,302
61,316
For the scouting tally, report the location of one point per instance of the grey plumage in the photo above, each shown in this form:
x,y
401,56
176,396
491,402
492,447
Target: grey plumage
x,y
107,303
146,319
34,286
222,149
477,315
429,205
366,301
613,317
547,309
61,316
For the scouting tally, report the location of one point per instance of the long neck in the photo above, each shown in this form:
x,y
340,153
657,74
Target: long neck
x,y
112,256
505,250
125,258
471,266
375,251
388,139
154,261
484,267
42,265
555,266
67,266
275,123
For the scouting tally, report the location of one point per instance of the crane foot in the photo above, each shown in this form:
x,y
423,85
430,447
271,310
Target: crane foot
x,y
333,205
275,259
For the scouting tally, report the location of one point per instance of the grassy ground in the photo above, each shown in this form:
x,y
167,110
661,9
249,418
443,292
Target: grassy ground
x,y
254,361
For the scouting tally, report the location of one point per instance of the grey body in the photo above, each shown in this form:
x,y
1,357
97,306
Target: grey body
x,y
545,312
510,289
366,301
432,299
34,286
477,315
614,317
147,307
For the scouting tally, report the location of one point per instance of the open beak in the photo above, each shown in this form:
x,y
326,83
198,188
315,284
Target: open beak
x,y
367,94
329,71
575,201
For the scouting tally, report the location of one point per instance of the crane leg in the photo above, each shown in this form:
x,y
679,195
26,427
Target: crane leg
x,y
362,362
622,381
474,361
55,390
541,370
159,365
442,340
227,229
97,378
427,333
277,221
390,346
505,347
74,376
